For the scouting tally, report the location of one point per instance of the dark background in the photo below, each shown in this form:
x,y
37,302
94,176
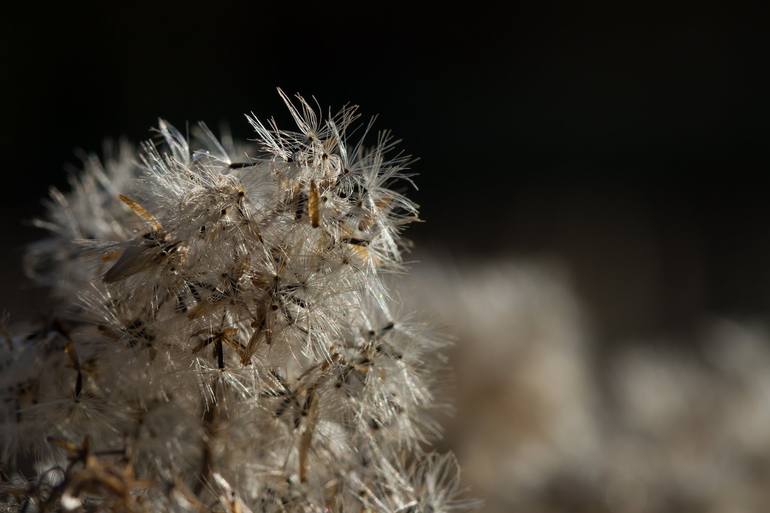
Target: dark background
x,y
630,143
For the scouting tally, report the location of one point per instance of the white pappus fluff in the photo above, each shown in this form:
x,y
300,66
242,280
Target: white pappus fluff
x,y
226,340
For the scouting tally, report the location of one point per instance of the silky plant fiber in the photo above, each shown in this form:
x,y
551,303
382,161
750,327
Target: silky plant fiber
x,y
225,337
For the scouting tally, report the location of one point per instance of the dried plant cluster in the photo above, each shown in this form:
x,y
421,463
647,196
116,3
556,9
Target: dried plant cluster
x,y
228,342
552,419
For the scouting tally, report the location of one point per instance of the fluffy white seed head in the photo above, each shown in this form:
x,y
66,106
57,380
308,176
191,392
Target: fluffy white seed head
x,y
225,335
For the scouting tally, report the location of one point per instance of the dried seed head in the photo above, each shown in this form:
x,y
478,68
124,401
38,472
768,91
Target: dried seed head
x,y
232,326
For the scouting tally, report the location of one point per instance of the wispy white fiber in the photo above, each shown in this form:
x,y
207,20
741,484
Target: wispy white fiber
x,y
226,341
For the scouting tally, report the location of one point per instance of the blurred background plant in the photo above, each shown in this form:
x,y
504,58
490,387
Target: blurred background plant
x,y
550,421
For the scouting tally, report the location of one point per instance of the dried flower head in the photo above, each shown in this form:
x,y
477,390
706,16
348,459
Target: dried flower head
x,y
227,341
